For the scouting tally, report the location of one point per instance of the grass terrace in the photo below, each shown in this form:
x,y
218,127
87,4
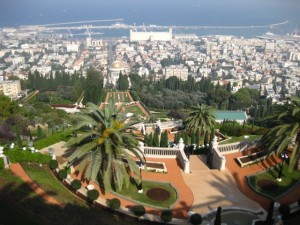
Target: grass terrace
x,y
52,139
132,193
239,139
265,183
135,109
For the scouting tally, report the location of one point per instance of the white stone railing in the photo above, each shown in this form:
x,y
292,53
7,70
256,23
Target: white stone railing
x,y
229,148
157,152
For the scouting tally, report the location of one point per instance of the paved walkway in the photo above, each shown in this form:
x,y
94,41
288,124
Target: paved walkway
x,y
17,170
240,177
213,188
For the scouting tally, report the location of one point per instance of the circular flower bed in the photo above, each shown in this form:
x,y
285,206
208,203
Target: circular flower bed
x,y
267,185
158,194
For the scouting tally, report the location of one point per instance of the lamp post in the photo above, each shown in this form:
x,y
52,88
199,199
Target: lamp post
x,y
283,156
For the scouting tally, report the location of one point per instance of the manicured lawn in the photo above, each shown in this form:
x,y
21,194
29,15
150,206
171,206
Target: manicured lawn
x,y
52,139
289,180
238,139
134,109
49,183
17,155
132,193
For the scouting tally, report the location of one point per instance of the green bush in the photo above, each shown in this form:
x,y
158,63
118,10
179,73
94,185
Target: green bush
x,y
166,216
62,174
93,194
76,184
53,164
19,156
114,203
284,210
139,210
196,219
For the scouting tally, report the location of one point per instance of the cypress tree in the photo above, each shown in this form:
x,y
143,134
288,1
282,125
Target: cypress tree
x,y
150,140
156,139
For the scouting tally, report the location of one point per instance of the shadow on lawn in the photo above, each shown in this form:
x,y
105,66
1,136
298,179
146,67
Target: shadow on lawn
x,y
19,206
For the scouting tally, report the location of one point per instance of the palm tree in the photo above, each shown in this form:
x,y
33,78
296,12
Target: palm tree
x,y
105,147
201,117
285,123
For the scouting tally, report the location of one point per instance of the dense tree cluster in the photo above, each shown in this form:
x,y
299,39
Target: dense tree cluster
x,y
67,86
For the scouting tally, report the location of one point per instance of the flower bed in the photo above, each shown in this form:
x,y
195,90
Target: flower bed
x,y
252,158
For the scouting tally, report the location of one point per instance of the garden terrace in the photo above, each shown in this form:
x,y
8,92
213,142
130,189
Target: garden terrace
x,y
252,158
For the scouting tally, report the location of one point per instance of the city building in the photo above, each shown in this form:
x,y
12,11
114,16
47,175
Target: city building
x,y
150,36
10,88
179,71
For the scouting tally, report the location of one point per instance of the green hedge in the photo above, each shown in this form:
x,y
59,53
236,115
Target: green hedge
x,y
76,184
139,210
53,164
166,216
62,174
17,156
93,194
114,203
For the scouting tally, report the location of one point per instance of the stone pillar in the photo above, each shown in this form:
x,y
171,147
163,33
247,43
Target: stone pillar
x,y
181,144
223,163
215,144
186,166
141,146
158,123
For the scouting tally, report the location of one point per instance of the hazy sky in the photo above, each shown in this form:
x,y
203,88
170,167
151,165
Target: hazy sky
x,y
217,12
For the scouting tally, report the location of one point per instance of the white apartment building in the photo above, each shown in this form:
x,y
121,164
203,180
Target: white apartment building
x,y
72,47
10,88
179,71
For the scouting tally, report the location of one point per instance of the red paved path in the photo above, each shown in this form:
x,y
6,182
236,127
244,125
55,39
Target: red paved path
x,y
17,170
240,176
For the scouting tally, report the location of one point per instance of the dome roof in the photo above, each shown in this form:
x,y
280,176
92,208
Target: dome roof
x,y
116,65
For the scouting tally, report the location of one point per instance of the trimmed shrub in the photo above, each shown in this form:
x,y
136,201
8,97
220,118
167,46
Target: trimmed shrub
x,y
114,203
53,164
196,219
62,174
76,184
139,210
93,194
284,210
166,216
